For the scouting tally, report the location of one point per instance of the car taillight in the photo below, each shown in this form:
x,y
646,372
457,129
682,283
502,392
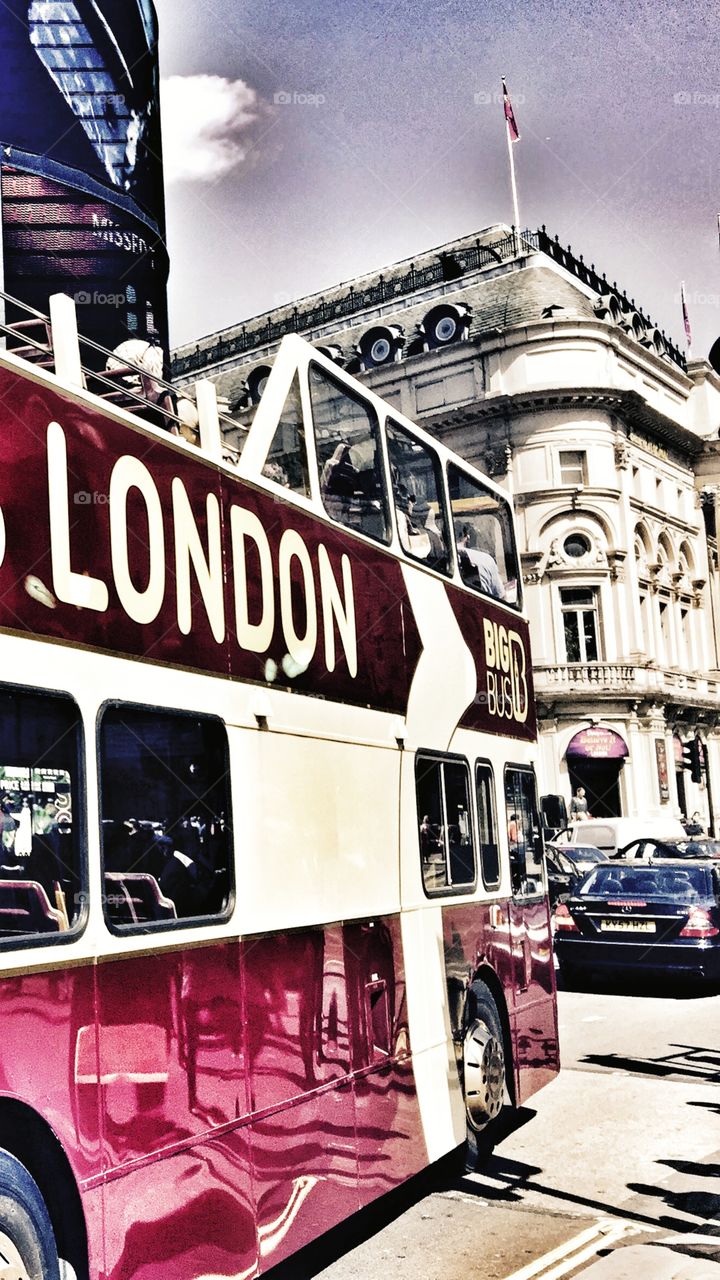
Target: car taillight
x,y
564,922
699,925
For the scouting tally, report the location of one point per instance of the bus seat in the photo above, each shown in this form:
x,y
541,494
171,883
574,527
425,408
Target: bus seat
x,y
25,908
135,897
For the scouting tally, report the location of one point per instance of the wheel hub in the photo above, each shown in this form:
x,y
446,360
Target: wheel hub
x,y
12,1266
484,1072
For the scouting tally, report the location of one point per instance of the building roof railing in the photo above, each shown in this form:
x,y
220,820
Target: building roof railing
x,y
455,262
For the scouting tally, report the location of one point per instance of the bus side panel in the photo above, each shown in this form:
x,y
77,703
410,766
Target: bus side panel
x,y
391,1147
188,1215
534,1012
171,1053
304,1147
391,1143
49,1051
172,1068
476,936
513,940
304,1171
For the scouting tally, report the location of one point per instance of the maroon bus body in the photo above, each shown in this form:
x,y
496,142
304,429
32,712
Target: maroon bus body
x,y
221,1105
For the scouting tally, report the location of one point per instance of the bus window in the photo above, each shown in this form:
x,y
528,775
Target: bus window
x,y
524,833
484,538
445,825
417,491
286,462
41,873
347,439
167,839
487,826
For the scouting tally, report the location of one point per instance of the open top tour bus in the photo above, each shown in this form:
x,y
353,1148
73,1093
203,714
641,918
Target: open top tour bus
x,y
274,926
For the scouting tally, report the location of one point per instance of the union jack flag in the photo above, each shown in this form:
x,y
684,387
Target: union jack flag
x,y
686,317
513,130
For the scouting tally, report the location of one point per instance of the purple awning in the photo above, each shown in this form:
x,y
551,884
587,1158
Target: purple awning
x,y
597,743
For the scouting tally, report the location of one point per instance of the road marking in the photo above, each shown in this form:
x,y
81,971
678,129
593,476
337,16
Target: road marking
x,y
579,1249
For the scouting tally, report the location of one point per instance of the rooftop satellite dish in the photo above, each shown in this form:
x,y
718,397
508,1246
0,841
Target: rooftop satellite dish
x,y
714,356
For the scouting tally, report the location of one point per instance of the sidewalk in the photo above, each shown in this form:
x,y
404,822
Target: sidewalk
x,y
652,1262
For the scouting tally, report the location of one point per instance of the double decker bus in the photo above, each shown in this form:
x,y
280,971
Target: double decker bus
x,y
274,928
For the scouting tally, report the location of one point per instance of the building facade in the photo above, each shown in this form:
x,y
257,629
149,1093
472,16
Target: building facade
x,y
545,375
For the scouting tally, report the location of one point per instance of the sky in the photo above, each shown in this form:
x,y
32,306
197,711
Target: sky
x,y
309,142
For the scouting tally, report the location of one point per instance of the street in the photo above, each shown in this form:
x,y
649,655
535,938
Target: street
x,y
623,1148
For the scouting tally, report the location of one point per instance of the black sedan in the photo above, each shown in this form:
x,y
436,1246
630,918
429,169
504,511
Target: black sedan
x,y
639,918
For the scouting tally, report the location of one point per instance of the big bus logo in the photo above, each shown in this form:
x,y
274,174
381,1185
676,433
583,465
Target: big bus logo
x,y
506,662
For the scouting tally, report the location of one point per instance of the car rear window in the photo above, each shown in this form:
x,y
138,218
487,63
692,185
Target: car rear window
x,y
586,853
682,849
686,884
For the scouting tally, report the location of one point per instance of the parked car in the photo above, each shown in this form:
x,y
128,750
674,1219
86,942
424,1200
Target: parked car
x,y
613,834
584,856
563,875
642,918
650,849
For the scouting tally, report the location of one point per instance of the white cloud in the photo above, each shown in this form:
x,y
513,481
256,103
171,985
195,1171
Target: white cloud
x,y
206,122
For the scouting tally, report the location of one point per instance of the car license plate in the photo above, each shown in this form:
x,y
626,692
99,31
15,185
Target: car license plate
x,y
627,926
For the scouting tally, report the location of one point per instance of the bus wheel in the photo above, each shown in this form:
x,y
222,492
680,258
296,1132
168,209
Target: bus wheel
x,y
27,1242
483,1073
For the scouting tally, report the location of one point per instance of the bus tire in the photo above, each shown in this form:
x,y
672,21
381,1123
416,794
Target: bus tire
x,y
483,1074
27,1242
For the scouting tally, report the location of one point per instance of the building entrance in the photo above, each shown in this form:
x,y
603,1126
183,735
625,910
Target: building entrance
x,y
595,757
601,780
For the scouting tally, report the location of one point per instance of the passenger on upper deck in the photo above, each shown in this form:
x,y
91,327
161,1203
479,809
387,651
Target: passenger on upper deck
x,y
150,361
477,568
338,481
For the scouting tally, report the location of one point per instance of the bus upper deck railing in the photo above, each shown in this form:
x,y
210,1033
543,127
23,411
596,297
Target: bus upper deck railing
x,y
52,342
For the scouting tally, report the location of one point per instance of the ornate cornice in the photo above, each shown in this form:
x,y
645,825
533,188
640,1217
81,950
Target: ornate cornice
x,y
627,405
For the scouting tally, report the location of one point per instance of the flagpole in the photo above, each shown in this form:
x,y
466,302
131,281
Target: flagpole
x,y
512,135
511,158
686,319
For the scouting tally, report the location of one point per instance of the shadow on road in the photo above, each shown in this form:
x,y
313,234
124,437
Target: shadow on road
x,y
709,1106
637,984
519,1179
702,1205
690,1062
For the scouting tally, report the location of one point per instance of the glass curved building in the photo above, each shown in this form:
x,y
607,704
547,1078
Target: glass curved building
x,y
81,163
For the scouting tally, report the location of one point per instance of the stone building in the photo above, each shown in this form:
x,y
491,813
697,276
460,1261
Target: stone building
x,y
544,374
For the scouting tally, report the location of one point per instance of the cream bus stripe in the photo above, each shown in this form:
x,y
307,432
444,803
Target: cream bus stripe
x,y
445,681
442,1108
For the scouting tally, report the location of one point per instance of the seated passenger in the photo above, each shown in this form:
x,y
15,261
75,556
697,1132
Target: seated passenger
x,y
339,476
139,366
477,568
413,538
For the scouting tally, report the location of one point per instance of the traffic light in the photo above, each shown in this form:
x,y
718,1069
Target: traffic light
x,y
697,766
693,758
